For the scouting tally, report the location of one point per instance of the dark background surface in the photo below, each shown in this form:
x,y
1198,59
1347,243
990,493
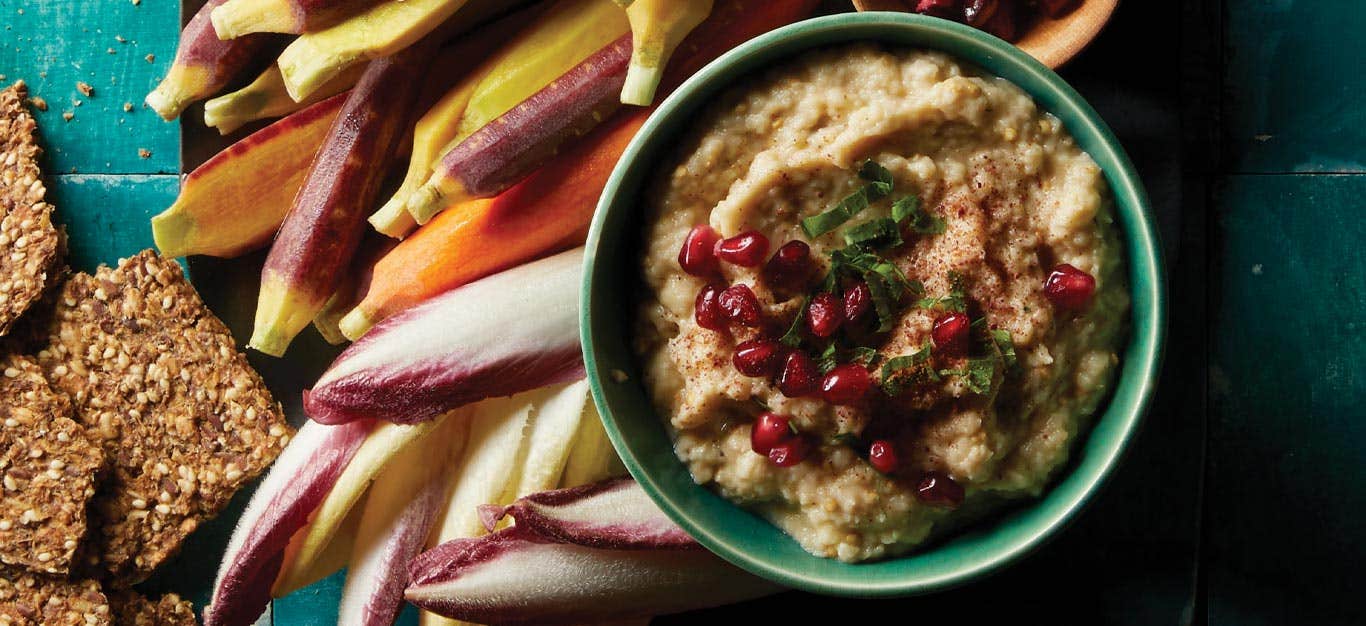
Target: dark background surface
x,y
1241,501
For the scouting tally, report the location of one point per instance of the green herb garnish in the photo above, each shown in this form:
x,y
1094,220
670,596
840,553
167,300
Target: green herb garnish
x,y
956,300
879,233
1005,346
844,439
902,371
864,356
885,281
828,359
878,187
793,337
977,375
908,211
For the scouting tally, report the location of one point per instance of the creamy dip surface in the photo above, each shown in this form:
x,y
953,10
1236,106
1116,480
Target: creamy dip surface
x,y
1014,197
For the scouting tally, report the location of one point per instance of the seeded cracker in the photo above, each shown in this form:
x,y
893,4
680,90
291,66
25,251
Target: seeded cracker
x,y
157,379
134,609
49,469
29,244
33,600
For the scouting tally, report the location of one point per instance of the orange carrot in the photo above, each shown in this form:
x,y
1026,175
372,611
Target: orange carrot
x,y
477,238
549,210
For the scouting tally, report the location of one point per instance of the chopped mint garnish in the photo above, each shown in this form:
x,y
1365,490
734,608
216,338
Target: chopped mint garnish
x,y
879,233
793,337
977,375
902,371
908,211
878,187
1004,346
864,356
828,359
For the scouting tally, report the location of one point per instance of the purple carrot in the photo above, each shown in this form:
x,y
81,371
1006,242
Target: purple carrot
x,y
613,514
204,64
320,234
510,332
296,484
516,577
513,145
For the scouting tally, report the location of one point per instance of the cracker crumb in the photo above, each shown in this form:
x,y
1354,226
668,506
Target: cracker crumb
x,y
68,116
128,107
120,39
158,387
150,58
85,88
144,153
38,103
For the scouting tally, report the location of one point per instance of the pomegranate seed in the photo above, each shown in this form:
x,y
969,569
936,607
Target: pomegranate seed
x,y
858,300
770,429
790,452
758,357
799,376
790,265
698,255
1069,288
824,315
882,456
746,249
938,489
951,334
707,310
740,305
846,384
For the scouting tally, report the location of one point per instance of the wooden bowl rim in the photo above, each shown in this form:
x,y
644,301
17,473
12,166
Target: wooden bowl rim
x,y
1052,42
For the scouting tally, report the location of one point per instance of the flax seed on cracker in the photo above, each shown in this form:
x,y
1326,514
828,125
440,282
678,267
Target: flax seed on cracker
x,y
29,243
134,609
159,382
34,600
48,471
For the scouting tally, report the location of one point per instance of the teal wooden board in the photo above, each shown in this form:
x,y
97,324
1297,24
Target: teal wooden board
x,y
317,605
1287,469
1294,94
106,216
53,44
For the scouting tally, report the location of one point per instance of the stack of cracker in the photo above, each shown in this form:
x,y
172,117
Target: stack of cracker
x,y
127,416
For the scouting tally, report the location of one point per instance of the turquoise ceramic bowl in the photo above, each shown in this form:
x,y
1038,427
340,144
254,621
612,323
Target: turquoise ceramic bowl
x,y
611,279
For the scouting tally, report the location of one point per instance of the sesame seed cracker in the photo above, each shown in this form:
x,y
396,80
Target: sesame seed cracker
x,y
48,471
158,380
134,609
34,600
29,243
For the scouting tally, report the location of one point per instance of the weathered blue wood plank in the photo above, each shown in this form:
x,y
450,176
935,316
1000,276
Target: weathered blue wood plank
x,y
1286,490
1294,96
106,216
54,44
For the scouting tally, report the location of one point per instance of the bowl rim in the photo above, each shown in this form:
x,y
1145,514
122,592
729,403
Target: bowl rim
x,y
1142,247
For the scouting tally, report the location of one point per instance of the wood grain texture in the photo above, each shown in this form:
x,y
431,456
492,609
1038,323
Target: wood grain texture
x,y
1294,96
1287,470
54,44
